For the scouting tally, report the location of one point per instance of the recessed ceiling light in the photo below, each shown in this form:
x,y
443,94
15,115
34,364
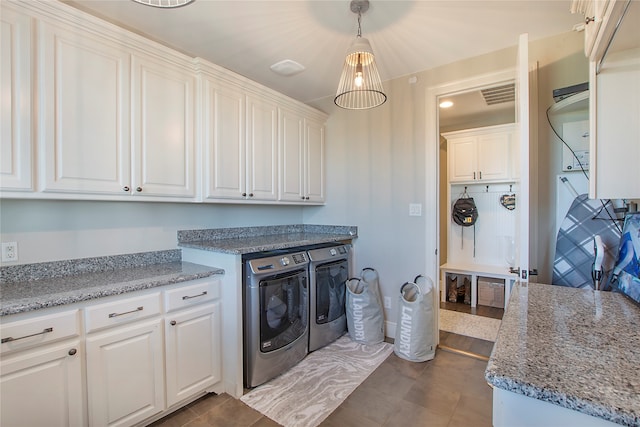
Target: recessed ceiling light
x,y
287,67
446,104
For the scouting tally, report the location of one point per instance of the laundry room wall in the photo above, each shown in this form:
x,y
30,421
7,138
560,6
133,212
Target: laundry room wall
x,y
379,163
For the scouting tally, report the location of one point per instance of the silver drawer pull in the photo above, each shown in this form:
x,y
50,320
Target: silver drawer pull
x,y
194,296
9,339
126,312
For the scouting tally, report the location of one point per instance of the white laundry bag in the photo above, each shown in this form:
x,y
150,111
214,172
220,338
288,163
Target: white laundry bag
x,y
365,319
414,339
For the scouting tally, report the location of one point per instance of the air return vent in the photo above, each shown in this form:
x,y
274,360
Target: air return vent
x,y
499,94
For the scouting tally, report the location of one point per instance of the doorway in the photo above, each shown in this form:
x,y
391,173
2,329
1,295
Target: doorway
x,y
466,94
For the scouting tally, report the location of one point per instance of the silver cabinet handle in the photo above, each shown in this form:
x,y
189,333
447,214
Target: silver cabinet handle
x,y
173,323
139,189
480,174
72,352
194,296
474,175
9,339
125,188
126,312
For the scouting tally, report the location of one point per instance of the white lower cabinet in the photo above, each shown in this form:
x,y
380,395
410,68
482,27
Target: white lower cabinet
x,y
43,386
125,374
192,344
41,370
130,359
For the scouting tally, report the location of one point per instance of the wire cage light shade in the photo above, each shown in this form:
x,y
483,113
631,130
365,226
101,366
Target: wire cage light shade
x,y
360,85
167,4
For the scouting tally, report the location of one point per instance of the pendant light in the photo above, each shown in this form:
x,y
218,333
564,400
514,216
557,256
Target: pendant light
x,y
360,86
166,4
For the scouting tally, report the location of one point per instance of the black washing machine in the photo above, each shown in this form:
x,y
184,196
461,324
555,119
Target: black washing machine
x,y
329,268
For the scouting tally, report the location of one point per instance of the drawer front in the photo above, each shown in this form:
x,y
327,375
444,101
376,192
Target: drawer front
x,y
197,292
38,330
122,311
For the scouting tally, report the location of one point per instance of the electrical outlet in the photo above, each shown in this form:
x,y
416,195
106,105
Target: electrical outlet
x,y
10,251
387,302
415,209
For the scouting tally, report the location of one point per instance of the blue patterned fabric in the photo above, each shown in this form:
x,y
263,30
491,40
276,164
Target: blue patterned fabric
x,y
574,247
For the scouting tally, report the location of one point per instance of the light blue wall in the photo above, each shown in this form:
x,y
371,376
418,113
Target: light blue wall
x,y
49,230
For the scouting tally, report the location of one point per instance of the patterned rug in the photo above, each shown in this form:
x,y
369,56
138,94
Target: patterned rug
x,y
469,325
307,393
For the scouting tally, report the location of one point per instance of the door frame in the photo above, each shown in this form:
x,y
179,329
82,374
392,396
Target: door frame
x,y
432,162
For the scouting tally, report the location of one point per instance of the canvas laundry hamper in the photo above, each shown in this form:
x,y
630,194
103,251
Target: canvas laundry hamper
x,y
415,340
365,319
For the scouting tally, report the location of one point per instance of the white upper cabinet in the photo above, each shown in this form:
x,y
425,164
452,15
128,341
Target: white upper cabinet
x,y
223,130
84,112
15,80
481,154
262,149
612,45
314,161
113,123
239,143
301,158
120,117
162,128
292,156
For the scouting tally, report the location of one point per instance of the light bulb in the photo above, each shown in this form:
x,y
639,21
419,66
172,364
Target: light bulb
x,y
358,80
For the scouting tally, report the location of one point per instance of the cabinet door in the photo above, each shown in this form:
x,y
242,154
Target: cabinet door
x,y
125,379
43,387
315,166
15,86
462,159
493,151
292,156
84,112
193,351
614,112
163,123
224,142
262,149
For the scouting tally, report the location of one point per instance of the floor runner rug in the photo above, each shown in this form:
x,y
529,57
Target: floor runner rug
x,y
307,393
469,325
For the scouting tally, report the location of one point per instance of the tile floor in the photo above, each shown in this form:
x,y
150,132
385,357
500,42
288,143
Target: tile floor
x,y
448,391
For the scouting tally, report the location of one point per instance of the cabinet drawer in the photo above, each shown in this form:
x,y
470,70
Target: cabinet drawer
x,y
122,311
38,330
186,296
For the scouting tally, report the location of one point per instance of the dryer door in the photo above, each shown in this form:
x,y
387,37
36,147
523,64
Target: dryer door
x,y
330,291
284,312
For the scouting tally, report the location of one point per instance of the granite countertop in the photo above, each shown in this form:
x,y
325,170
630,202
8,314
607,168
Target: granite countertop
x,y
576,348
35,286
260,239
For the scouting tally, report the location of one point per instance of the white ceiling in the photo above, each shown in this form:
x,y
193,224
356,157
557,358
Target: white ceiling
x,y
247,37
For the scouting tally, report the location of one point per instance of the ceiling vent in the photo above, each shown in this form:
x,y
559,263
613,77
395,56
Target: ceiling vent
x,y
287,67
499,94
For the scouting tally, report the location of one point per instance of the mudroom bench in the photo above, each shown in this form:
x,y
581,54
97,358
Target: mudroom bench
x,y
476,271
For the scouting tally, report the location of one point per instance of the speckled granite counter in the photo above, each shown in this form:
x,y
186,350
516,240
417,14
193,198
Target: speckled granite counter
x,y
35,286
259,239
575,348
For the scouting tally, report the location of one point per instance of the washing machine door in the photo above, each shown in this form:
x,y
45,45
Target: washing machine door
x,y
284,312
330,291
